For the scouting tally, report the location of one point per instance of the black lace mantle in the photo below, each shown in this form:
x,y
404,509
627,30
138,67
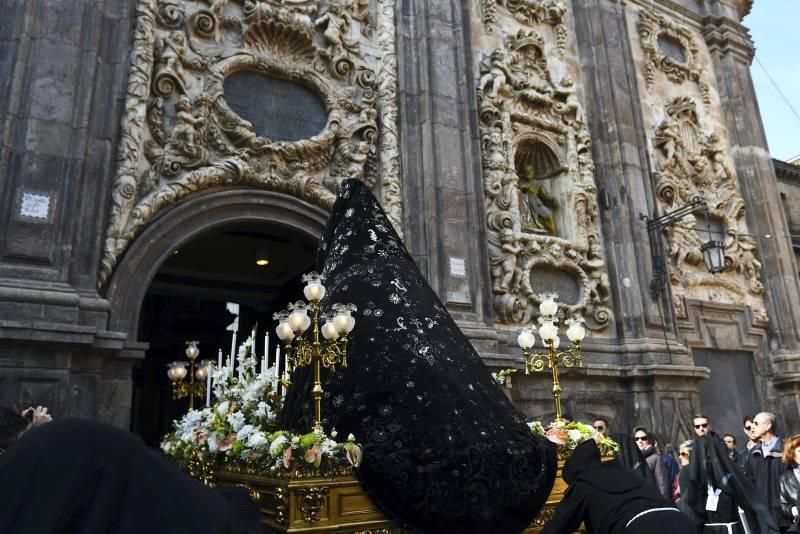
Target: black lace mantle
x,y
444,450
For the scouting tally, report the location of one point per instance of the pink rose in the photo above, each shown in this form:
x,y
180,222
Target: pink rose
x,y
287,457
557,436
314,455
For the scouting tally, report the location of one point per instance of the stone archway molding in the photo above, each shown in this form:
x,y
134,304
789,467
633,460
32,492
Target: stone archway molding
x,y
188,220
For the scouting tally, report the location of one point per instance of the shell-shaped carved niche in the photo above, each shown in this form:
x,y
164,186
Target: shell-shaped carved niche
x,y
277,109
534,155
279,40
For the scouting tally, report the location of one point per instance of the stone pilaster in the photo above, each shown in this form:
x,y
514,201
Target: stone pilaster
x,y
444,228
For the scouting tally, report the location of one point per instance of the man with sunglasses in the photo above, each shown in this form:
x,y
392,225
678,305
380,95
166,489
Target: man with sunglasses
x,y
752,440
655,462
701,425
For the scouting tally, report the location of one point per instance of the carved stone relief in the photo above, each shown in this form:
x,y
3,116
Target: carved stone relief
x,y
530,13
180,136
690,164
670,48
540,195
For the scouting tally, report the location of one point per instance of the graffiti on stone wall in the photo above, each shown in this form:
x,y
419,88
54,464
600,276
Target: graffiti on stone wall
x,y
179,135
692,164
540,195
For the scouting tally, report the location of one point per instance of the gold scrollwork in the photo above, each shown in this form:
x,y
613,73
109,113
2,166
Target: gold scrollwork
x,y
311,501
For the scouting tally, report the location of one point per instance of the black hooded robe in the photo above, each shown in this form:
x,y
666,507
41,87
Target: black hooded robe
x,y
76,476
709,464
607,498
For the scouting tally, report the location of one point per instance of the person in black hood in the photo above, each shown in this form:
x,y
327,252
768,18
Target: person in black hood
x,y
76,476
611,500
717,488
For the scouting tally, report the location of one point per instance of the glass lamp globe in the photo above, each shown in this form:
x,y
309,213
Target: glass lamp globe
x,y
526,338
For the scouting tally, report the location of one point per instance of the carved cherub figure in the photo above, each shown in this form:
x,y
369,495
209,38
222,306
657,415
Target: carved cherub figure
x,y
337,23
668,139
186,124
495,72
566,90
504,260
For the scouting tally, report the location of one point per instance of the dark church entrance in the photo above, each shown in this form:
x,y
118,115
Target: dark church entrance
x,y
256,266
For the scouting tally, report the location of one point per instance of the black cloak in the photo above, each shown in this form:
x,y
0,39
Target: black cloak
x,y
709,463
610,499
444,449
76,476
630,456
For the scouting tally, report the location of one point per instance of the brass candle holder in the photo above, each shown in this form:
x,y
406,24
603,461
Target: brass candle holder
x,y
294,322
548,331
177,373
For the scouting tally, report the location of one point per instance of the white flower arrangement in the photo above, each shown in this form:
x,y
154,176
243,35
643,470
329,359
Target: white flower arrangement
x,y
240,426
571,434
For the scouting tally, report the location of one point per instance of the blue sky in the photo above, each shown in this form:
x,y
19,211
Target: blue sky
x,y
774,26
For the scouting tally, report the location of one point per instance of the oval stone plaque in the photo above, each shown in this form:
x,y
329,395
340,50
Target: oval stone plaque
x,y
546,279
278,109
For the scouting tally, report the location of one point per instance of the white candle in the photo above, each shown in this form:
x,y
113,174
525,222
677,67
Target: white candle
x,y
277,374
233,348
208,387
265,361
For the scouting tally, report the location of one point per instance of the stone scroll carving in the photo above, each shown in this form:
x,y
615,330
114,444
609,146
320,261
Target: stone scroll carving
x,y
670,48
530,13
540,195
180,136
690,164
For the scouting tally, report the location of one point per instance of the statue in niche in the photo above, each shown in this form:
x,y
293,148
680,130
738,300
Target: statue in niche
x,y
538,209
494,71
503,259
337,23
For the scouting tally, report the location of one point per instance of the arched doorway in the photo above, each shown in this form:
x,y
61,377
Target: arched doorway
x,y
191,298
175,279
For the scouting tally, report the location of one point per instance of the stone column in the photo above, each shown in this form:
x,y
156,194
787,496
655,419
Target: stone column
x,y
443,203
63,67
732,52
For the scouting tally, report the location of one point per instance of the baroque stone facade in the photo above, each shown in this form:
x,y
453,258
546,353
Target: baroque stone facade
x,y
514,144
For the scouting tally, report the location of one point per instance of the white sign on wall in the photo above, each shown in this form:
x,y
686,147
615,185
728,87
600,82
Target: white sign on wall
x,y
35,206
457,267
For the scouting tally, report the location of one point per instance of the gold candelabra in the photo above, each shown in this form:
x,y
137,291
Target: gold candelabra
x,y
177,372
295,321
548,331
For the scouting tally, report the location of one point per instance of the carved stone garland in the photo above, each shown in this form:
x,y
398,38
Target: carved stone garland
x,y
530,12
520,106
179,136
690,162
653,27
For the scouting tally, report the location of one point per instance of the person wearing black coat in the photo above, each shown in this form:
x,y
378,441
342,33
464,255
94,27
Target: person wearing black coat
x,y
609,499
76,476
765,467
716,488
790,480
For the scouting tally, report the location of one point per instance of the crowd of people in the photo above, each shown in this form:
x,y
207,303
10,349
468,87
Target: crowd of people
x,y
719,487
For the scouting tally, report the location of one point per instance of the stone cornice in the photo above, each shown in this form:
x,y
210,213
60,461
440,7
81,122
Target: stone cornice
x,y
786,172
724,35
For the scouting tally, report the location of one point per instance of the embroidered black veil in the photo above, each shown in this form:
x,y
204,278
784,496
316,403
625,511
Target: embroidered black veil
x,y
444,450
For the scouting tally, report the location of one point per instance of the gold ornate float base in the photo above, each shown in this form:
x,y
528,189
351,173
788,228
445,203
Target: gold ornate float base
x,y
335,504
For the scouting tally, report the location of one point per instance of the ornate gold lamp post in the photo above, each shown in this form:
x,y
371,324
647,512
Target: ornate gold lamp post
x,y
328,352
177,372
571,357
